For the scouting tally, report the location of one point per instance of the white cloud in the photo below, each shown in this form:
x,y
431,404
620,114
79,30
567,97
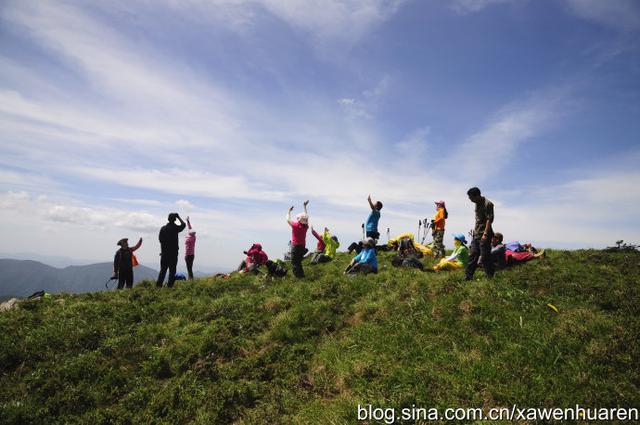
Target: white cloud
x,y
487,151
415,146
366,105
617,14
183,182
341,23
464,7
185,205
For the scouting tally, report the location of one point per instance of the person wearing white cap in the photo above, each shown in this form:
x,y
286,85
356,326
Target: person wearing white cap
x,y
298,239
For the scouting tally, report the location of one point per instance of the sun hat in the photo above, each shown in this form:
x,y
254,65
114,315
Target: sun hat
x,y
302,218
460,237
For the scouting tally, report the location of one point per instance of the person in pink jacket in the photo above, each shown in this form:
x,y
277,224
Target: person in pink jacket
x,y
256,257
190,248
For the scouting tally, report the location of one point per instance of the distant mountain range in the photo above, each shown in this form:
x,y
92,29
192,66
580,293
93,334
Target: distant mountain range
x,y
20,278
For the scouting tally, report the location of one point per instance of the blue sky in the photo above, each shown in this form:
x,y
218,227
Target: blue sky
x,y
115,113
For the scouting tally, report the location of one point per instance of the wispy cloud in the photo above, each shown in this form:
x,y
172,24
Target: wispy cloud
x,y
617,14
485,152
465,7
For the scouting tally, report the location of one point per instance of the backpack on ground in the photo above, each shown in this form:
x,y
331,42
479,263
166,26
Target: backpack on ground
x,y
276,268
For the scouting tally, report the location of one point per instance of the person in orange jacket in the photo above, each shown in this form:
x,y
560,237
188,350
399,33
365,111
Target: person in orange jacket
x,y
437,225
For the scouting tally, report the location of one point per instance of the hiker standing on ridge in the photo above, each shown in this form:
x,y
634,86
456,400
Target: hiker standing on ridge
x,y
438,229
169,248
480,249
298,235
372,220
123,263
190,249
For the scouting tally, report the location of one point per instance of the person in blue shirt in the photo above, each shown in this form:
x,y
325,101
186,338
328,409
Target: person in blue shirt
x,y
366,261
372,220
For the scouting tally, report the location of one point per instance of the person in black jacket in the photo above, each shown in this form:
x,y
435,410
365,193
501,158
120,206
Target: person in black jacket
x,y
169,248
123,263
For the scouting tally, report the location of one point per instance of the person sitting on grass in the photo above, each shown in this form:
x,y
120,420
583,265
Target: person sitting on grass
x,y
366,261
458,258
512,253
320,246
331,245
256,257
407,254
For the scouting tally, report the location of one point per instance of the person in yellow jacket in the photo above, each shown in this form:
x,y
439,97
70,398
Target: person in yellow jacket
x,y
458,258
331,245
437,225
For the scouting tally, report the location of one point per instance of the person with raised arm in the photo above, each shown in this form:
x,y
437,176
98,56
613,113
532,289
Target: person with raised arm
x,y
169,247
123,263
331,246
190,248
298,239
373,219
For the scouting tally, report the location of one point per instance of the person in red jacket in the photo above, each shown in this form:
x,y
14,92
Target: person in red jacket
x,y
256,257
123,263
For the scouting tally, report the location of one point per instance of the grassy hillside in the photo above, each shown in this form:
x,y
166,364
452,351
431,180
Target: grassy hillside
x,y
247,351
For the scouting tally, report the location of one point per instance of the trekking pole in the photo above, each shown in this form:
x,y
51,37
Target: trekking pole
x,y
363,234
106,284
424,236
388,235
427,226
419,227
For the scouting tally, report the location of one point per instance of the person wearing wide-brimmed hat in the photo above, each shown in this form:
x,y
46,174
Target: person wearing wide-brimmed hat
x,y
298,239
458,258
123,263
366,261
437,225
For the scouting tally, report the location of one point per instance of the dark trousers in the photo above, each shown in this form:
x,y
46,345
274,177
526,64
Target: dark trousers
x,y
480,250
320,257
362,268
125,279
297,254
189,260
168,261
373,234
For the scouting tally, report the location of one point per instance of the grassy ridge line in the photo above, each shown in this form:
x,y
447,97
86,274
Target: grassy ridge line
x,y
246,351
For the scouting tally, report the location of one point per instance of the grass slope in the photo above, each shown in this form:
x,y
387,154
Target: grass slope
x,y
247,351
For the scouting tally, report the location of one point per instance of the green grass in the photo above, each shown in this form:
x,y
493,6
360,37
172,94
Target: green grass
x,y
247,351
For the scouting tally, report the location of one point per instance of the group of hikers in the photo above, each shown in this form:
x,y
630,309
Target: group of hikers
x,y
486,248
